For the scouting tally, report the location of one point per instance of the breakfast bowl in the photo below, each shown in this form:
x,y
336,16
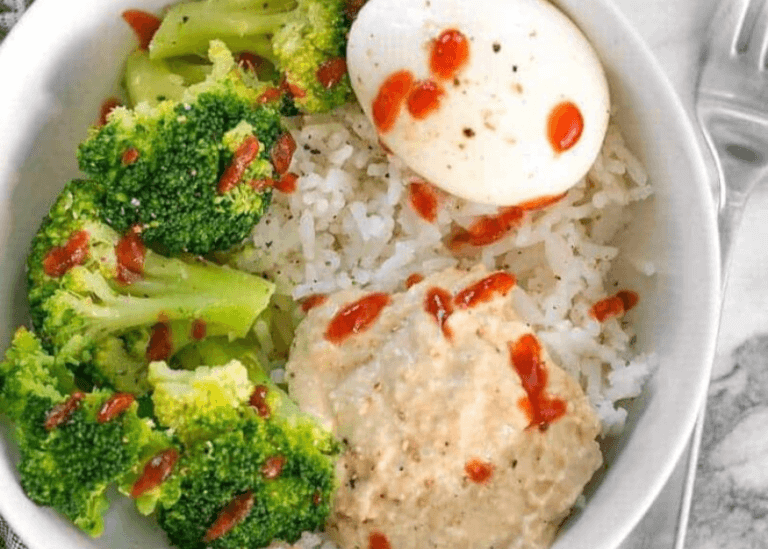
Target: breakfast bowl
x,y
64,59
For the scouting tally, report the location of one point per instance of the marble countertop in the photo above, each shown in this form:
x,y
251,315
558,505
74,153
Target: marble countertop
x,y
730,499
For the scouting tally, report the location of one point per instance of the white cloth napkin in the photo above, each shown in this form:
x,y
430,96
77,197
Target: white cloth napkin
x,y
10,12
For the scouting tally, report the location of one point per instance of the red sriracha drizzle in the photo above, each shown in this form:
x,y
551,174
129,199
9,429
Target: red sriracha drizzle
x,y
413,279
312,301
144,25
541,202
130,156
272,467
269,95
389,101
107,107
130,253
258,400
61,412
233,514
249,61
353,7
61,259
243,157
423,200
485,290
525,355
160,342
628,299
293,89
287,183
450,52
155,472
487,229
199,329
377,540
438,304
282,153
564,126
356,317
424,98
330,73
615,305
478,471
114,406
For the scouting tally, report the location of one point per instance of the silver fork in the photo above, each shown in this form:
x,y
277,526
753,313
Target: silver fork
x,y
732,108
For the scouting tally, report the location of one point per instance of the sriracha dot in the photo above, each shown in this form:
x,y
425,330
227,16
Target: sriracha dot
x,y
450,52
564,126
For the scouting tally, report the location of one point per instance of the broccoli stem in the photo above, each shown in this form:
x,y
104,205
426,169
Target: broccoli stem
x,y
189,27
150,81
125,313
228,301
192,71
163,276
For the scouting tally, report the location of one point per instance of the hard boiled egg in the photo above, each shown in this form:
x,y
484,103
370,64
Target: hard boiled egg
x,y
497,101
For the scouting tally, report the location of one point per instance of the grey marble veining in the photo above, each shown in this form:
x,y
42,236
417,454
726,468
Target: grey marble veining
x,y
730,507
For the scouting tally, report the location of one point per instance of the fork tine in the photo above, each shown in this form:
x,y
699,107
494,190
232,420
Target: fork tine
x,y
759,43
726,26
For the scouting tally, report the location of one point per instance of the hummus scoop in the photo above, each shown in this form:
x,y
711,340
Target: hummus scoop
x,y
460,430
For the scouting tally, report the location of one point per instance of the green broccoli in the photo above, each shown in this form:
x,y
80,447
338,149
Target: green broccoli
x,y
72,445
155,81
191,173
158,81
104,301
305,39
247,451
27,372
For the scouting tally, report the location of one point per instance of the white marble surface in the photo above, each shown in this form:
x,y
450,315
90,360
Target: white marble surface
x,y
730,500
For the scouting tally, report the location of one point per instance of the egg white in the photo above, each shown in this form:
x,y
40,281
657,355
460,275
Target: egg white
x,y
488,140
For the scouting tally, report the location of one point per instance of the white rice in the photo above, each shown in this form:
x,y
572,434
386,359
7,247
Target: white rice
x,y
350,224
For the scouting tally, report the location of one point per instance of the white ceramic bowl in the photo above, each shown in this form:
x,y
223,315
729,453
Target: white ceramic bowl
x,y
65,57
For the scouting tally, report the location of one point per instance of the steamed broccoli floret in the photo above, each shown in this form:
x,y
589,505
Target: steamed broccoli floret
x,y
70,467
177,171
27,372
305,39
186,400
70,450
108,303
240,439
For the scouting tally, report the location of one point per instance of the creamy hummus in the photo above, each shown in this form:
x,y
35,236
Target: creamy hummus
x,y
442,447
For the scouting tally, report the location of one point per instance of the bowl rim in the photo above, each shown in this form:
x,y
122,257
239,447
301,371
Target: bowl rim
x,y
36,15
696,151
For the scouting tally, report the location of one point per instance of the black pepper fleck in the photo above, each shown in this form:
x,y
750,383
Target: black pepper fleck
x,y
496,47
469,132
